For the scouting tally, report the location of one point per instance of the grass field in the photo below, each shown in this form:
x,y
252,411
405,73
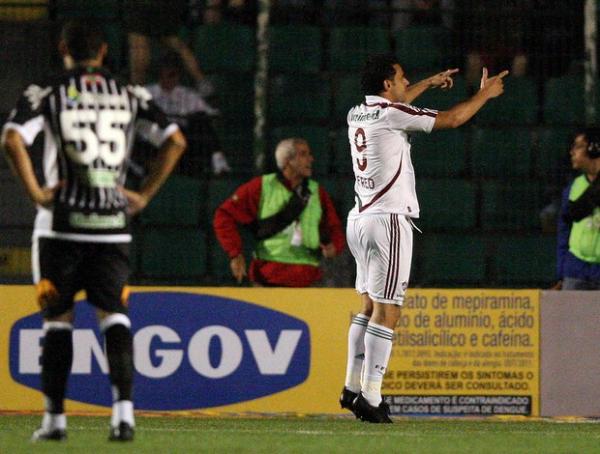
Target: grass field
x,y
88,434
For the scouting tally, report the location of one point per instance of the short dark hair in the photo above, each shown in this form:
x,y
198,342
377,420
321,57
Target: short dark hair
x,y
170,59
377,68
592,135
83,38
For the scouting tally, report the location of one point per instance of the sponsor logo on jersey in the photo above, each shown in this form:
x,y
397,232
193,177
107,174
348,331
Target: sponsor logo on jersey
x,y
191,351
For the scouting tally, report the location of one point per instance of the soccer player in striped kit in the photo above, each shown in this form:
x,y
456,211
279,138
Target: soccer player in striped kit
x,y
81,234
379,229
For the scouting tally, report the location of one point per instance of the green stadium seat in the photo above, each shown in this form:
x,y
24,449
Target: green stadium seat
x,y
501,153
341,191
238,143
551,157
219,189
178,202
439,154
350,46
518,105
342,159
173,253
437,98
347,93
564,100
511,205
525,261
234,97
446,204
421,48
317,138
295,48
294,99
101,9
450,261
225,47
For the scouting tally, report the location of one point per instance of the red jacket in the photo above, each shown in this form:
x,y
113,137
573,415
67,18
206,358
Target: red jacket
x,y
242,208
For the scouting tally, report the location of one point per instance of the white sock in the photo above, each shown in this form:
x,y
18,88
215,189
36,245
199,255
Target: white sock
x,y
53,421
356,352
122,411
378,347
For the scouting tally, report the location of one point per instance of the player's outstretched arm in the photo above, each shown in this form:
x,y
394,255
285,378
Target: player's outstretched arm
x,y
442,80
461,113
20,163
168,156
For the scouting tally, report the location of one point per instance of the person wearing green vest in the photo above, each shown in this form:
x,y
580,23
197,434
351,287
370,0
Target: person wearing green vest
x,y
578,248
291,217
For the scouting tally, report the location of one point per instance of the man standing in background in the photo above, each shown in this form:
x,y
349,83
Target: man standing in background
x,y
578,248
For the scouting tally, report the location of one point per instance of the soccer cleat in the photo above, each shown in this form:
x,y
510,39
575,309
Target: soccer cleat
x,y
347,400
124,432
369,413
49,435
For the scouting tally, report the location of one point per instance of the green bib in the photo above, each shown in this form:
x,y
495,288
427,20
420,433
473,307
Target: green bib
x,y
584,240
298,243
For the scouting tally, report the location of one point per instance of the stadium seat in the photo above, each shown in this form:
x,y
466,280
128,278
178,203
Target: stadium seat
x,y
501,153
551,155
225,47
564,100
450,261
439,154
15,206
293,99
342,159
420,48
220,189
234,97
173,253
525,261
101,9
317,138
446,204
347,93
341,191
518,105
238,143
439,99
294,49
511,205
178,202
350,46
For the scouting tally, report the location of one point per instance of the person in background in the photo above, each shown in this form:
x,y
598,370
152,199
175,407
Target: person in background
x,y
186,107
292,218
148,20
578,238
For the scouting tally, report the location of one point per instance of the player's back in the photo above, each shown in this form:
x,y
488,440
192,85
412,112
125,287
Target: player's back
x,y
378,131
89,120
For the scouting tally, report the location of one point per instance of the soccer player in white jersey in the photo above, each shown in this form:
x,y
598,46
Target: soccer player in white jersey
x,y
379,229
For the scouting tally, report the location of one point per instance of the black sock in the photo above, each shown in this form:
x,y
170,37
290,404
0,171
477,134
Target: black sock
x,y
57,357
119,352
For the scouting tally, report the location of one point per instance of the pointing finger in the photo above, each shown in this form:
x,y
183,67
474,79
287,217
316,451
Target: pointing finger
x,y
449,72
503,74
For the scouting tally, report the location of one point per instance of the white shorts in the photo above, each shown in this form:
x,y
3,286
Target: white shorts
x,y
382,247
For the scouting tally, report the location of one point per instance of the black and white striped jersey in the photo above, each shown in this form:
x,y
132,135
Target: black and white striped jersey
x,y
89,120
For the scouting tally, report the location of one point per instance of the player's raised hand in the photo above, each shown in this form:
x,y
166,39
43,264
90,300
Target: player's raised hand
x,y
444,79
493,86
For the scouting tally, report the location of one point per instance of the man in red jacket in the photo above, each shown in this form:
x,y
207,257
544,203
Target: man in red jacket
x,y
292,218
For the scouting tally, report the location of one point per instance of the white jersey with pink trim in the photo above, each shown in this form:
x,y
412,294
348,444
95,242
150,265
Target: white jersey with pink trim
x,y
378,131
